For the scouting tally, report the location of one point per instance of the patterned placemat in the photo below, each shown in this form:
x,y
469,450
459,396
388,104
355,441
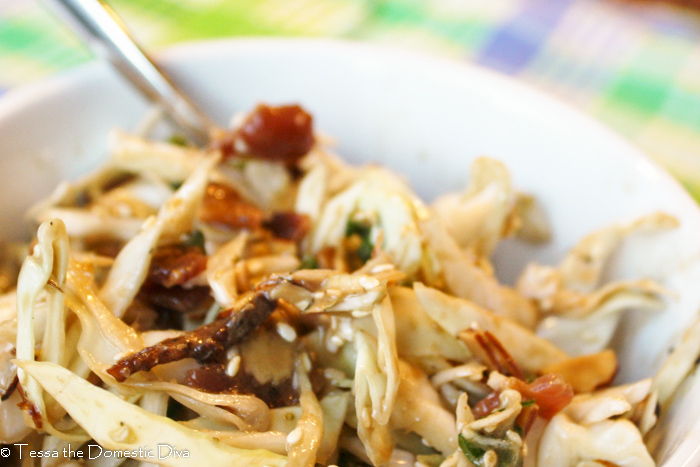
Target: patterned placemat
x,y
633,65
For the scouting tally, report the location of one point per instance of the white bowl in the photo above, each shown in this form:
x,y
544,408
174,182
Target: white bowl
x,y
424,117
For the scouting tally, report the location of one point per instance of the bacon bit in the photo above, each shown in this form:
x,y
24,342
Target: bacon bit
x,y
223,205
178,299
212,378
550,392
289,225
30,408
176,264
172,266
282,134
207,343
487,405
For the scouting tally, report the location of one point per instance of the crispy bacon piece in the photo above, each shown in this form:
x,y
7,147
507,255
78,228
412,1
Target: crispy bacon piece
x,y
213,378
205,344
171,267
176,264
487,405
289,225
550,392
223,205
283,134
210,378
178,299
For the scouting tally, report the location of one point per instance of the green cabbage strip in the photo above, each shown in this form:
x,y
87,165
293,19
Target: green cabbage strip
x,y
44,269
174,218
117,425
304,441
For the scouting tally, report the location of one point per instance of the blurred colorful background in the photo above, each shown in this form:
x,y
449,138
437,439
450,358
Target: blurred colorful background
x,y
635,65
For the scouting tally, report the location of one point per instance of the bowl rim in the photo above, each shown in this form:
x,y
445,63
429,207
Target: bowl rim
x,y
686,452
17,97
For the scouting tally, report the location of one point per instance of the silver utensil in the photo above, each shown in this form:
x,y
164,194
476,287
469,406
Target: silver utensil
x,y
106,35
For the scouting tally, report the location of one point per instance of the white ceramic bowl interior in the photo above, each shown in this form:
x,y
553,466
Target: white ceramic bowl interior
x,y
422,116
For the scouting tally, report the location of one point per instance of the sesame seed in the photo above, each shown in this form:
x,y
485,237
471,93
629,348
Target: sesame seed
x,y
294,436
286,332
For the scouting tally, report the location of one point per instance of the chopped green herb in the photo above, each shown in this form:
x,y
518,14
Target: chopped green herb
x,y
519,430
507,453
362,230
309,262
196,238
474,453
357,228
527,402
175,185
178,140
365,251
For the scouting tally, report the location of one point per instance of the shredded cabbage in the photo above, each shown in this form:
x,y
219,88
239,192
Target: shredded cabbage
x,y
314,313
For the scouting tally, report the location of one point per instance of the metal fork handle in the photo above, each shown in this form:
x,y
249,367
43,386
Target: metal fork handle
x,y
106,35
